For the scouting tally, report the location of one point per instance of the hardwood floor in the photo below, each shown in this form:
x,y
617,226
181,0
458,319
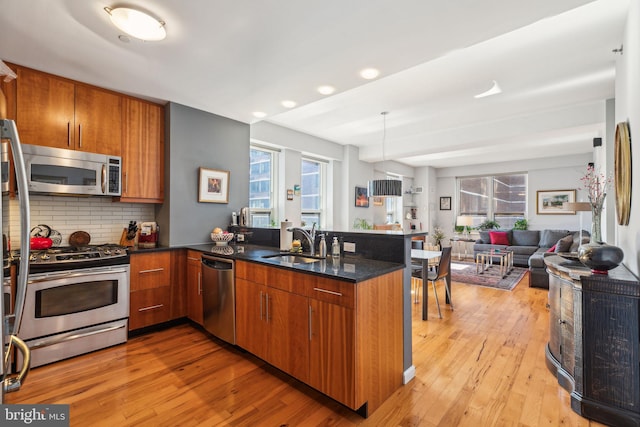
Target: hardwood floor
x,y
481,365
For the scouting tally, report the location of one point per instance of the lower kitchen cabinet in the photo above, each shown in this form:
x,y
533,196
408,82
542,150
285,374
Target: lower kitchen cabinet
x,y
342,338
150,289
194,287
149,307
331,350
274,326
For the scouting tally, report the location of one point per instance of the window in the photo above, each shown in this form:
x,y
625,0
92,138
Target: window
x,y
262,194
502,198
313,204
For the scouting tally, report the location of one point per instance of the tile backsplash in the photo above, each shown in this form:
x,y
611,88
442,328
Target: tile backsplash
x,y
103,219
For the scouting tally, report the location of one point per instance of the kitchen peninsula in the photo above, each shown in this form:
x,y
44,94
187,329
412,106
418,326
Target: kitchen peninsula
x,y
334,324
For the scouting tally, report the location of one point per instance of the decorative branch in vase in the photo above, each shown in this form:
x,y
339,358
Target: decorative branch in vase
x,y
596,185
597,255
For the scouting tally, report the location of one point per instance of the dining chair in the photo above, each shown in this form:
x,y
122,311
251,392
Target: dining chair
x,y
441,273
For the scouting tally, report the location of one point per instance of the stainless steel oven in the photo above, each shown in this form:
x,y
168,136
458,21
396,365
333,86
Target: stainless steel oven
x,y
71,312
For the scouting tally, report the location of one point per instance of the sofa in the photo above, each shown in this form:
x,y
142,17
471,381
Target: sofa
x,y
529,248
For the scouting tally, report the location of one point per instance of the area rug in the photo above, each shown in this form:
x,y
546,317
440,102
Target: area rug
x,y
465,272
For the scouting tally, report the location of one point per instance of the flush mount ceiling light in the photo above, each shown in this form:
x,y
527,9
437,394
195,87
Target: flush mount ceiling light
x,y
288,103
495,89
259,114
385,187
137,24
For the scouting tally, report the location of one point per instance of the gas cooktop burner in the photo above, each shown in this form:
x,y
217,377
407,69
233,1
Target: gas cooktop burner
x,y
71,257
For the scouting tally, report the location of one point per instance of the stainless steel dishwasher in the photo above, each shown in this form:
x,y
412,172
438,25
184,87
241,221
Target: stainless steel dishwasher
x,y
219,297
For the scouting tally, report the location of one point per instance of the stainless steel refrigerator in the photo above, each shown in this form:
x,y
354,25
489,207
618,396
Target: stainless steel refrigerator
x,y
12,318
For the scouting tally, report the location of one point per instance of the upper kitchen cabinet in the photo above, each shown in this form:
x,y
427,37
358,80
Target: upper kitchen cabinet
x,y
142,152
61,113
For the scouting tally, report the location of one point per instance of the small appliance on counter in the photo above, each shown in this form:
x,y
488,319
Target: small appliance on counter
x,y
148,236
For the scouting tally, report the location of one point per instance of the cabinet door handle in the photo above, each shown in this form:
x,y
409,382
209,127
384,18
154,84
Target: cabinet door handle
x,y
260,305
68,134
326,291
199,283
562,322
152,270
151,307
266,299
193,259
310,322
126,183
80,136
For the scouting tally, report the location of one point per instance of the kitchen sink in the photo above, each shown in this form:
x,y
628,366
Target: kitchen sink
x,y
292,259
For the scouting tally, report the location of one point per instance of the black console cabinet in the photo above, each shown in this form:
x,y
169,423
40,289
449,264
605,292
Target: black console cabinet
x,y
594,340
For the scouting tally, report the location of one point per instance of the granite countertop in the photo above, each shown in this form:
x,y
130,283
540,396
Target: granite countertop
x,y
352,269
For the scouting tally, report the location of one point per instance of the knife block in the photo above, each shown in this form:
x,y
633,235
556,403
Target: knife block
x,y
126,242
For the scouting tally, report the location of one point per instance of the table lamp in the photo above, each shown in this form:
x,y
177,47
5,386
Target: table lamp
x,y
465,221
577,207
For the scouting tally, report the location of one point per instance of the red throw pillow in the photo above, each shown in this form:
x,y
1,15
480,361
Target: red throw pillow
x,y
499,238
552,248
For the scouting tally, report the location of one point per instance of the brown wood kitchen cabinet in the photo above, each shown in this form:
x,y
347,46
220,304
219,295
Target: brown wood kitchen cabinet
x,y
342,338
58,112
150,289
142,152
274,325
194,287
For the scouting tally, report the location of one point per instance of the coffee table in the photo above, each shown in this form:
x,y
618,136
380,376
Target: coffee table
x,y
484,260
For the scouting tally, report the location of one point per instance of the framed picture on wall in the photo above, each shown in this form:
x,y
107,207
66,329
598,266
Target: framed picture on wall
x,y
213,186
445,203
549,202
362,198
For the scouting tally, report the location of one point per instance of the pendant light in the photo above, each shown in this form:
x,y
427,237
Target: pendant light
x,y
385,187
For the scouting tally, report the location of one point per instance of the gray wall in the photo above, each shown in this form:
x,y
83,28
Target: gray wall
x,y
198,139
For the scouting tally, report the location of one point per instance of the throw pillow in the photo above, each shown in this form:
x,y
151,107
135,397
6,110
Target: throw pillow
x,y
552,248
499,238
549,237
564,244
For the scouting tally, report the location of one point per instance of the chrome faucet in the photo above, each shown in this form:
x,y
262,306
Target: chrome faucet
x,y
310,236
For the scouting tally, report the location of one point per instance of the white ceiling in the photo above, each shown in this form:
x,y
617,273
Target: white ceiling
x,y
553,59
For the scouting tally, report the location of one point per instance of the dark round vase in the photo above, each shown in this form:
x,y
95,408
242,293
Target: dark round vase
x,y
600,257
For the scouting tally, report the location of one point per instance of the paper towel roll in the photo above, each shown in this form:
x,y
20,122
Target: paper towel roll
x,y
286,237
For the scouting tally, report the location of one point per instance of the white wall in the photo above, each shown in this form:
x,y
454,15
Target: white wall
x,y
560,173
627,107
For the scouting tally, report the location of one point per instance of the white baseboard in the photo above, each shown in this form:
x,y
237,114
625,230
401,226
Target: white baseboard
x,y
409,374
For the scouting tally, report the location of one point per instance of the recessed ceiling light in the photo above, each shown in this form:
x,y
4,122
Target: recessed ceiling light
x,y
137,24
494,90
369,73
289,104
259,114
326,89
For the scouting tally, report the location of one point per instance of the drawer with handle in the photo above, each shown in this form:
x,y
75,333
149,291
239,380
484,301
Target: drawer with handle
x,y
150,270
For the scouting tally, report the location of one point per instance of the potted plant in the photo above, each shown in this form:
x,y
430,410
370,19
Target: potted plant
x,y
437,236
521,224
489,225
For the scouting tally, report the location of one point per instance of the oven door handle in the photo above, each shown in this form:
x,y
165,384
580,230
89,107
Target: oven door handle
x,y
70,336
71,274
14,383
8,130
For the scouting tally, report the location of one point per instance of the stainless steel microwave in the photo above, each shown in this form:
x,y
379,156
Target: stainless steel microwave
x,y
60,171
